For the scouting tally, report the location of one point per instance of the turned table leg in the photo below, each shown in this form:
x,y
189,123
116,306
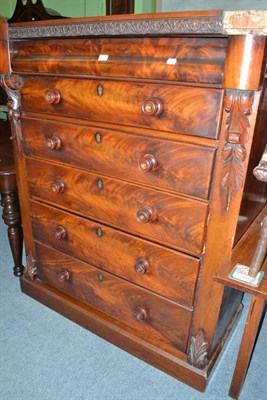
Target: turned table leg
x,y
11,217
246,348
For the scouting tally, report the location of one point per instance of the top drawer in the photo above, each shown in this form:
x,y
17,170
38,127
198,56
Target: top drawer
x,y
182,109
199,60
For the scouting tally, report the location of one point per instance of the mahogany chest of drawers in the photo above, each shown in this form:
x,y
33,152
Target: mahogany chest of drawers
x,y
132,138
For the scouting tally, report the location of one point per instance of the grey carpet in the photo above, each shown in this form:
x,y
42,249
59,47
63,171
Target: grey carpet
x,y
47,357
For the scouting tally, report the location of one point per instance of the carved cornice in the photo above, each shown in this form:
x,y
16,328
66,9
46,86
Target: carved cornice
x,y
30,272
198,350
11,84
137,27
238,105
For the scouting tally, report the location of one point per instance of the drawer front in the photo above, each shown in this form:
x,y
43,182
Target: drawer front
x,y
161,163
190,59
161,270
148,314
164,217
189,110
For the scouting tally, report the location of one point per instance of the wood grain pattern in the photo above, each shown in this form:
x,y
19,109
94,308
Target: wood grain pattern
x,y
183,107
180,101
165,321
220,236
196,60
169,273
177,221
116,333
245,52
180,167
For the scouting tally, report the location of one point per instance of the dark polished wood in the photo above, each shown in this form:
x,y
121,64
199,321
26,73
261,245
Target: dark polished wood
x,y
133,138
169,219
9,199
181,105
193,60
170,273
116,297
115,332
176,166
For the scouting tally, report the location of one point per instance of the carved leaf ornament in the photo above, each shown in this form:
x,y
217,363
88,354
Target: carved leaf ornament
x,y
198,351
238,105
11,85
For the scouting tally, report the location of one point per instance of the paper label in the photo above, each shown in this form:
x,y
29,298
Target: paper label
x,y
103,57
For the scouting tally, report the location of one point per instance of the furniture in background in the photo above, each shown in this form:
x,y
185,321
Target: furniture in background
x,y
243,254
32,11
9,199
119,7
8,187
133,144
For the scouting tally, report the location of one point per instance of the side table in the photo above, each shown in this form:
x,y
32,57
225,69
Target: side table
x,y
9,200
243,254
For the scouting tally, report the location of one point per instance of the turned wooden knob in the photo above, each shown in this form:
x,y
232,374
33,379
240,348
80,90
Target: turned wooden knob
x,y
148,163
140,314
52,96
153,107
145,215
63,276
58,186
141,266
53,143
60,233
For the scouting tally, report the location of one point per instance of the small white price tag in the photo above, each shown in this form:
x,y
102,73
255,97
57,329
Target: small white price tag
x,y
171,61
240,273
103,57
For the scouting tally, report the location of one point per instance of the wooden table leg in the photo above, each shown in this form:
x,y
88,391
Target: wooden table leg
x,y
247,345
11,217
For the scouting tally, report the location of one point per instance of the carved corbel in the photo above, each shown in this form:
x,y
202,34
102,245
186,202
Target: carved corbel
x,y
238,106
198,350
11,84
30,272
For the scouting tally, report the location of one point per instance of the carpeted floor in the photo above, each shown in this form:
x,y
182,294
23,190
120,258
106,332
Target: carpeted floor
x,y
46,357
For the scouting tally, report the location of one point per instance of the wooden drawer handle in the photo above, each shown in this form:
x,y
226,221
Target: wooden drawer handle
x,y
152,107
63,276
53,143
141,266
148,163
140,314
58,186
52,96
60,233
145,215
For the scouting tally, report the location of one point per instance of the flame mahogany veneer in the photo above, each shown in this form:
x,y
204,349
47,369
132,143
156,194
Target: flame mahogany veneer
x,y
132,138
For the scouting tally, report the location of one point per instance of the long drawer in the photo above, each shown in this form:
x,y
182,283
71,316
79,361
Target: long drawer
x,y
189,110
164,271
179,167
148,314
178,59
167,218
